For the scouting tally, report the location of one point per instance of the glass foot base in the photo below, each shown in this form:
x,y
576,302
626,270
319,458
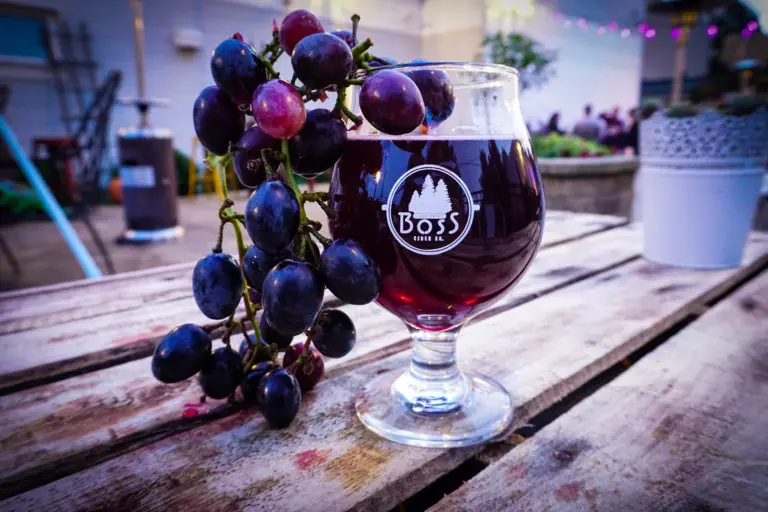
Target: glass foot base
x,y
484,413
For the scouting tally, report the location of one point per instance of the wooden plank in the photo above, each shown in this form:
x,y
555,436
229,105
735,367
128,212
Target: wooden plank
x,y
540,351
124,402
49,305
57,350
690,434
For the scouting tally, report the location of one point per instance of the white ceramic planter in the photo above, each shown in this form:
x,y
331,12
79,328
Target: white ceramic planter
x,y
700,180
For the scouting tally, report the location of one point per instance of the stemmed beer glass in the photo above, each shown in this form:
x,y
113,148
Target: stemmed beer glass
x,y
453,217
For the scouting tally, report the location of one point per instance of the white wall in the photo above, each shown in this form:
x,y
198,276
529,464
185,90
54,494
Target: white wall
x,y
602,70
34,110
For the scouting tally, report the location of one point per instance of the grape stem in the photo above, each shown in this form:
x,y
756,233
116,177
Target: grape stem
x,y
341,108
270,172
361,48
270,68
314,197
241,249
286,159
320,238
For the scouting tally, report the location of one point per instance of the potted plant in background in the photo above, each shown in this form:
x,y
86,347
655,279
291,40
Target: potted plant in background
x,y
701,167
578,175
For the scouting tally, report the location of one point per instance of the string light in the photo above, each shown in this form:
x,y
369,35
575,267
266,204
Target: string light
x,y
601,31
650,33
752,26
625,33
712,31
675,33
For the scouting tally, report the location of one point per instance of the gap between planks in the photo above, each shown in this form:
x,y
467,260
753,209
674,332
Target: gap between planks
x,y
115,397
80,300
541,351
690,435
71,349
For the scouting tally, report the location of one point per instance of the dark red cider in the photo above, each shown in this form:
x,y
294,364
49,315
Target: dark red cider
x,y
451,223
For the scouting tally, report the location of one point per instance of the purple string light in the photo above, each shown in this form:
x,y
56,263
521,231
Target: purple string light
x,y
712,31
746,33
625,33
752,26
650,33
643,28
612,26
675,33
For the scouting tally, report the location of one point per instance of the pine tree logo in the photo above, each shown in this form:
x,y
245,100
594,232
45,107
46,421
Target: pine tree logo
x,y
432,201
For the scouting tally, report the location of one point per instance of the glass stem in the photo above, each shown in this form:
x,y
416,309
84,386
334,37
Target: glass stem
x,y
433,383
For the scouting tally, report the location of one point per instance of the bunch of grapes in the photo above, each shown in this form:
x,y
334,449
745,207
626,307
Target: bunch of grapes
x,y
283,274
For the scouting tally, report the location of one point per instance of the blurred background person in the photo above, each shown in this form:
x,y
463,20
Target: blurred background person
x,y
588,127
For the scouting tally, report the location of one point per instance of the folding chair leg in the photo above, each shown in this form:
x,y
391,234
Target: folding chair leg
x,y
6,250
99,243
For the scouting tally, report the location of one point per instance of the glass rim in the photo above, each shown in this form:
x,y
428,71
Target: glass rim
x,y
477,67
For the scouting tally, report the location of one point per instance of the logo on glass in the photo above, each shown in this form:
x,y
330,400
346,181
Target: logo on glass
x,y
430,210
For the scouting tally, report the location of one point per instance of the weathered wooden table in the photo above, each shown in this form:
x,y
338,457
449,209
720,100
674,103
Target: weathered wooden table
x,y
638,387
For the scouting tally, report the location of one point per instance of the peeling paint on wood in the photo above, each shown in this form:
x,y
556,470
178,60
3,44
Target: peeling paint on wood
x,y
539,354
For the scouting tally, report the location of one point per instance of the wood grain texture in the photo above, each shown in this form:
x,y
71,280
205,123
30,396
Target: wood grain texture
x,y
47,305
540,351
682,429
91,415
53,349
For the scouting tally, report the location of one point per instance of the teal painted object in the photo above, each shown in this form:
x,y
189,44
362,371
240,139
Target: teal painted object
x,y
50,204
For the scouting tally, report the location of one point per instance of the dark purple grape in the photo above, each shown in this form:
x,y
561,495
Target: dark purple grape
x,y
217,285
391,102
237,70
271,336
308,375
221,373
349,273
218,122
296,26
250,384
346,36
319,144
181,353
334,334
272,216
278,109
292,296
248,163
321,60
257,263
437,92
278,396
378,62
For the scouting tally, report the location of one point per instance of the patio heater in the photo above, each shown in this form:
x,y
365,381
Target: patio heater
x,y
147,167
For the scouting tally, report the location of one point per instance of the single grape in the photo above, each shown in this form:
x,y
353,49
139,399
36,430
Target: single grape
x,y
292,296
248,163
319,144
218,122
217,285
346,36
237,70
296,26
437,91
271,336
278,396
378,62
221,373
272,217
250,384
321,60
391,102
311,371
257,263
349,273
181,353
335,333
278,109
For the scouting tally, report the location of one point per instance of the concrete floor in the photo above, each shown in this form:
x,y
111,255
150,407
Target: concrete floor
x,y
45,257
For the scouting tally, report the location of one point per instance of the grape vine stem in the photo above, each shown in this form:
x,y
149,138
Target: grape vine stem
x,y
221,167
